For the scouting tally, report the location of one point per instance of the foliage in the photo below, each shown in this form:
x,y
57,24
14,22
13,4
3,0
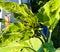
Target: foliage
x,y
49,13
21,13
26,46
36,4
48,47
27,35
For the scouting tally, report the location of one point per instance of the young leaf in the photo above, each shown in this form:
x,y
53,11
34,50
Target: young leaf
x,y
49,13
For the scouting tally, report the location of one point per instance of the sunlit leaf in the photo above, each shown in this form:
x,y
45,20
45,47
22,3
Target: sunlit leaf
x,y
49,13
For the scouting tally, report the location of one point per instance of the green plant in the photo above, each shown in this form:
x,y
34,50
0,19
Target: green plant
x,y
36,4
22,36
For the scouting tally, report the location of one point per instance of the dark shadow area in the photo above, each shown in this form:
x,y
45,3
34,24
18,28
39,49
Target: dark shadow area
x,y
36,4
56,36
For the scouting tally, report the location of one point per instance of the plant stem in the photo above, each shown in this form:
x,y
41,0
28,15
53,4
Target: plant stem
x,y
43,37
49,39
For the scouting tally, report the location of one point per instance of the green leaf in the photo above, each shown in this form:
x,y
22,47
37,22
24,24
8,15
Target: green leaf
x,y
24,46
16,32
49,13
35,43
13,47
48,47
21,12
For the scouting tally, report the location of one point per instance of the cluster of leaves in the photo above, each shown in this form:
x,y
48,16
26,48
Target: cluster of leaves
x,y
20,12
36,4
50,14
17,35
